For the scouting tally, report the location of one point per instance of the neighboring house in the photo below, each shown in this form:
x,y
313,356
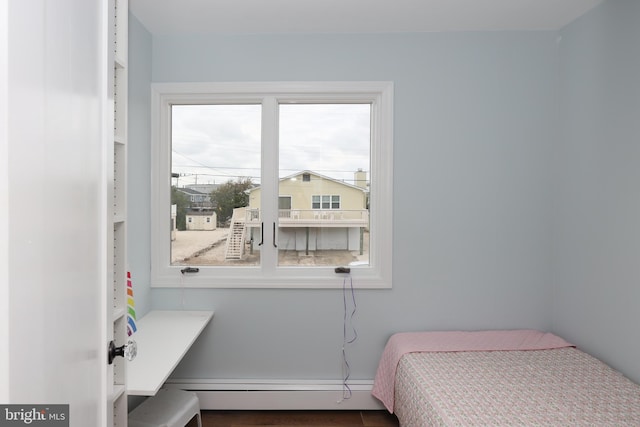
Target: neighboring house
x,y
201,214
316,212
203,188
196,197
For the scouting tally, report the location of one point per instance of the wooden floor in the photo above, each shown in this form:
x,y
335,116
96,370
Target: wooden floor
x,y
296,418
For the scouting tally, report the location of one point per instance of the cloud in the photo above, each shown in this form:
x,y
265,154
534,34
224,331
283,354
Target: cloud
x,y
215,143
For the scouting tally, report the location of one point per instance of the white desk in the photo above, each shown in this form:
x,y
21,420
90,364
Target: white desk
x,y
163,338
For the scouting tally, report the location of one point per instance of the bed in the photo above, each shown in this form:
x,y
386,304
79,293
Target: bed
x,y
500,378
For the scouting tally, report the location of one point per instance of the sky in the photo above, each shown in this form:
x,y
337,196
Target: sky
x,y
212,144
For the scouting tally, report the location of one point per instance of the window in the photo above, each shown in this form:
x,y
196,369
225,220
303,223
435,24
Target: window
x,y
256,155
335,202
325,202
284,202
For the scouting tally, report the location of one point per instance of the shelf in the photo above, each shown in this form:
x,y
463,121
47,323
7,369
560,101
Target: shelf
x,y
118,391
118,312
119,62
163,338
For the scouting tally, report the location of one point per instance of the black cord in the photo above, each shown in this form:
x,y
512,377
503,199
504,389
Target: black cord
x,y
347,319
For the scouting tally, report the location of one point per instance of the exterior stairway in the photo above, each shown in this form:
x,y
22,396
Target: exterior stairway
x,y
235,239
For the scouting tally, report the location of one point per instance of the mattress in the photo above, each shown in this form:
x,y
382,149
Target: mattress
x,y
558,386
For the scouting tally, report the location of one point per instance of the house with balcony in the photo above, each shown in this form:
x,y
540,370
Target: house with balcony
x,y
196,197
200,214
315,212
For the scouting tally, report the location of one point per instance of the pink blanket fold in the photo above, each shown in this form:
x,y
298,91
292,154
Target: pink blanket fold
x,y
441,341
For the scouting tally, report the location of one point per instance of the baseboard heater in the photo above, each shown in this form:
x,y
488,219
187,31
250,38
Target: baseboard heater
x,y
279,394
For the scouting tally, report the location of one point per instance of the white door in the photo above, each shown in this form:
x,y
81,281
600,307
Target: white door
x,y
54,205
4,204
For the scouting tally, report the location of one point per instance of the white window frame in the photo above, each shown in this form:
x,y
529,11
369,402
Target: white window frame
x,y
322,196
313,196
377,274
339,201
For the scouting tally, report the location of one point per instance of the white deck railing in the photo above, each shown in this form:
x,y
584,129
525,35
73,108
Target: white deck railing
x,y
318,217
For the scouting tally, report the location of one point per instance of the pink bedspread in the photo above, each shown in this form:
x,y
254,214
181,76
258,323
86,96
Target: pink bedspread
x,y
454,341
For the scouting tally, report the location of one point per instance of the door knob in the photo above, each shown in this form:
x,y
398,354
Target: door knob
x,y
128,351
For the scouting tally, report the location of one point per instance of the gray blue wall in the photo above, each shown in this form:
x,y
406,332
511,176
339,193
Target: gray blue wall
x,y
139,164
596,269
477,140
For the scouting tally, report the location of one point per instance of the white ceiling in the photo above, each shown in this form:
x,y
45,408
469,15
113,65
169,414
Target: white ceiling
x,y
354,16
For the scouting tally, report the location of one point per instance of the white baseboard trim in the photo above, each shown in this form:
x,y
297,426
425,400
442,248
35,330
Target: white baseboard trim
x,y
278,394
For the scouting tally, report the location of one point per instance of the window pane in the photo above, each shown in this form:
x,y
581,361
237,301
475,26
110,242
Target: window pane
x,y
315,202
284,202
325,202
335,202
215,159
324,158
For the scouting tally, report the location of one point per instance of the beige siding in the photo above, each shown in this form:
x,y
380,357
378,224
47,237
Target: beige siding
x,y
301,192
199,222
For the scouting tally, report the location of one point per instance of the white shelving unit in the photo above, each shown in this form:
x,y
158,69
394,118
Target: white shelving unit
x,y
117,207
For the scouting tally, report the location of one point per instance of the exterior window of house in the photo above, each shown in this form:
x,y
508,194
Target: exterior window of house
x,y
284,202
328,201
315,202
247,148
